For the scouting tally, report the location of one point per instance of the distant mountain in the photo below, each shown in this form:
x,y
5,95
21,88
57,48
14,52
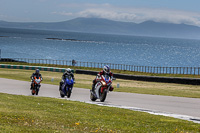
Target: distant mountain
x,y
105,26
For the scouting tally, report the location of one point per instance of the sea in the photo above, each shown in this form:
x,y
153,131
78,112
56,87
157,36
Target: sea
x,y
100,48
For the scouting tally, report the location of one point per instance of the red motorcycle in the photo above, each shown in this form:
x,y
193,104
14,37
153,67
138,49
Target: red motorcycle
x,y
36,85
101,88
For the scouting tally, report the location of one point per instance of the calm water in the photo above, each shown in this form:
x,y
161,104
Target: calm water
x,y
130,50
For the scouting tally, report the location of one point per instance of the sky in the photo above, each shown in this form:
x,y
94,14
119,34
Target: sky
x,y
137,11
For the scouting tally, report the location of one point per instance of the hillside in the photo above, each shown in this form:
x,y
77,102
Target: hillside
x,y
97,25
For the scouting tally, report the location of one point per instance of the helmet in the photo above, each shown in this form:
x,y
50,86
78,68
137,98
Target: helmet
x,y
68,70
106,69
37,71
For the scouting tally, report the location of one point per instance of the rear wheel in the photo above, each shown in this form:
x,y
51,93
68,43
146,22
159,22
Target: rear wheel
x,y
103,95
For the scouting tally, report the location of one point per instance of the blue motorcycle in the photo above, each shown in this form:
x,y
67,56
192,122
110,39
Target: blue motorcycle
x,y
66,87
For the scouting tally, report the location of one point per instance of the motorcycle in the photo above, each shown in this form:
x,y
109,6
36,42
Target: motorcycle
x,y
101,88
36,85
66,88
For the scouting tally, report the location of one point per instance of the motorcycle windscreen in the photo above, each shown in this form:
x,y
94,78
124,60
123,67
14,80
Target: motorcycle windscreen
x,y
37,81
107,78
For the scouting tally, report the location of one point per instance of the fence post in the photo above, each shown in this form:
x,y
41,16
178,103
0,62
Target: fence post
x,y
146,69
163,70
157,70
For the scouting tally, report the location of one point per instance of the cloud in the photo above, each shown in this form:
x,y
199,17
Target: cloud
x,y
131,14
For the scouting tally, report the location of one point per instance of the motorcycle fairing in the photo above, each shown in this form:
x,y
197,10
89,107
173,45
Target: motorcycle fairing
x,y
68,84
97,87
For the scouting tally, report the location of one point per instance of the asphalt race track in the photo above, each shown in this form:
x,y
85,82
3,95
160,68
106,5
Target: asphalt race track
x,y
178,107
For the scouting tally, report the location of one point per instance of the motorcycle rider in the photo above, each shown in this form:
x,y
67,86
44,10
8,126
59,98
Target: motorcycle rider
x,y
105,71
37,75
67,72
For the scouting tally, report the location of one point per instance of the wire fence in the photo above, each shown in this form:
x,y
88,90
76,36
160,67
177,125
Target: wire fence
x,y
145,69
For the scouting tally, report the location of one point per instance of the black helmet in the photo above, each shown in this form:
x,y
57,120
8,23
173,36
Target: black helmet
x,y
37,71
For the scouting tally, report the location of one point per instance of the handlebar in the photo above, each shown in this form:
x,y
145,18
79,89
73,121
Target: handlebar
x,y
113,78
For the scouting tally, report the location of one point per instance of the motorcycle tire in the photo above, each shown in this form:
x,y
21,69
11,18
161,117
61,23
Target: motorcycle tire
x,y
33,92
37,90
103,96
69,93
92,97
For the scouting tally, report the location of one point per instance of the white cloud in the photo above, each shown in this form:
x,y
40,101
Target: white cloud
x,y
131,14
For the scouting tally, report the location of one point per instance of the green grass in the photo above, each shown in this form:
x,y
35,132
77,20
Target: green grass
x,y
98,69
131,86
39,114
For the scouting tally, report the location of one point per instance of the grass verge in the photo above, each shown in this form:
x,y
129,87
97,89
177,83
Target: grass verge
x,y
131,86
98,69
39,114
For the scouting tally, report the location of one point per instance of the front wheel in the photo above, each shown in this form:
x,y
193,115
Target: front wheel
x,y
69,93
103,95
37,90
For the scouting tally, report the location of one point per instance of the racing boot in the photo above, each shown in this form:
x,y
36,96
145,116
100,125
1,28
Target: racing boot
x,y
111,88
31,86
92,87
60,85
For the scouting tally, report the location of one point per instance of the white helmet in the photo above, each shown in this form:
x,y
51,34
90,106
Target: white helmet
x,y
68,70
106,69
